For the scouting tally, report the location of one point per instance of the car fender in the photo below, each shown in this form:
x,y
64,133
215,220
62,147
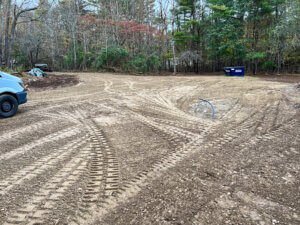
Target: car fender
x,y
10,85
7,90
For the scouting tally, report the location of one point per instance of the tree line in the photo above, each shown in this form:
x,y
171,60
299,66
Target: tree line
x,y
151,35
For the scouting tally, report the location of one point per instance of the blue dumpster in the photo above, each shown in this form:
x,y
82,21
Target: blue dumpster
x,y
235,71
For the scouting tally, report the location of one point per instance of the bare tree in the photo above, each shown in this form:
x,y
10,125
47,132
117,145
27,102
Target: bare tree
x,y
17,13
1,30
173,41
6,31
10,15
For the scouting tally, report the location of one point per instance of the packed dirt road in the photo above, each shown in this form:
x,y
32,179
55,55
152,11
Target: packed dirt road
x,y
118,149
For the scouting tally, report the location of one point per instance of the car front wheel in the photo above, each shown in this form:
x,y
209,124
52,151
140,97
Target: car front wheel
x,y
8,106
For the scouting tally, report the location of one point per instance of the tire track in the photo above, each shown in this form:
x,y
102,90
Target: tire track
x,y
107,86
268,122
274,121
165,107
63,115
35,211
30,128
57,104
40,166
277,132
236,108
175,140
66,133
240,151
167,162
192,127
171,130
170,112
261,121
103,172
130,85
175,124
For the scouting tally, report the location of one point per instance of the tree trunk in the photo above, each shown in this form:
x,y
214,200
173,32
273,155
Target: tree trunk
x,y
278,62
84,66
1,32
12,36
6,32
173,43
37,53
74,50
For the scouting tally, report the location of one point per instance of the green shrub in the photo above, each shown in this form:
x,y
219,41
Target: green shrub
x,y
144,64
153,63
83,59
138,64
255,55
15,69
269,65
111,57
68,60
6,70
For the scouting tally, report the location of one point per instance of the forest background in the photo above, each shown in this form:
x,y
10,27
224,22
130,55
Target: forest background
x,y
142,36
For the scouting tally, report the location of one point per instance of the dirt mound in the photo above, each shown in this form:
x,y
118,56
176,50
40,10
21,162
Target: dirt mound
x,y
50,82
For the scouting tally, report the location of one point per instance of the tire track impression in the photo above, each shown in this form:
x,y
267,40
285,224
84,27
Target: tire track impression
x,y
133,187
40,166
278,132
35,211
191,127
243,148
66,133
164,106
30,128
103,171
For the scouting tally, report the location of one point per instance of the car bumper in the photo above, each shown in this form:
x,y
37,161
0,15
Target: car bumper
x,y
22,97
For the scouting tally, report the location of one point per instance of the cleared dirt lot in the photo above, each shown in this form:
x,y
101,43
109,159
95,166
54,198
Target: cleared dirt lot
x,y
118,149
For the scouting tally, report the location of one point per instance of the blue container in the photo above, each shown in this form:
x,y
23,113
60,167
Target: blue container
x,y
235,71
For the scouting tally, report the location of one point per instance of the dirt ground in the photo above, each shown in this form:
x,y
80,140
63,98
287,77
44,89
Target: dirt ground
x,y
120,150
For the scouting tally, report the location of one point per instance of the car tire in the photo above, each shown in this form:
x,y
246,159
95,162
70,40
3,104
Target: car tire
x,y
8,106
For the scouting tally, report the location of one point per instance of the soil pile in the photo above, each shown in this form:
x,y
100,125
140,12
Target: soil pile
x,y
50,82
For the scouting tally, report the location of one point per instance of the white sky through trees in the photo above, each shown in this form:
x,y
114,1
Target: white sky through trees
x,y
31,3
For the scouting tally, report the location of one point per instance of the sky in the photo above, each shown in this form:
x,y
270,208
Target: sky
x,y
31,3
27,3
35,2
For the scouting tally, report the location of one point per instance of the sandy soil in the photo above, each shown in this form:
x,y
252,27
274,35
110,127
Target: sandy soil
x,y
117,149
